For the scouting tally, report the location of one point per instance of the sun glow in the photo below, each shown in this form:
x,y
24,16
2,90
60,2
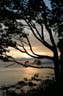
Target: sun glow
x,y
17,54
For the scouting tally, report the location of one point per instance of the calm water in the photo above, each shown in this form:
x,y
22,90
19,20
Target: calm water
x,y
12,75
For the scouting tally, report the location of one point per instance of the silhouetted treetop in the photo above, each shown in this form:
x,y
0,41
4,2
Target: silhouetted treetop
x,y
32,12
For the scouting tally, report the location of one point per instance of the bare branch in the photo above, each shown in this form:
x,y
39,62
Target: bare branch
x,y
42,41
42,32
50,34
38,56
36,30
30,26
47,27
39,67
20,50
25,65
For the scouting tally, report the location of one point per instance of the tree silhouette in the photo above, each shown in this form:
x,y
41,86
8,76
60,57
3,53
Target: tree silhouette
x,y
35,12
57,12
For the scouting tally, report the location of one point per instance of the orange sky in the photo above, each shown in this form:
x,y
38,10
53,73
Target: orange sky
x,y
37,50
36,45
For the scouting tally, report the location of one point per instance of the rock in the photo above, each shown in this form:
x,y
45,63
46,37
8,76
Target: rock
x,y
30,83
21,83
18,91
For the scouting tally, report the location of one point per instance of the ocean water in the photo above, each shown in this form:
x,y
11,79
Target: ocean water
x,y
13,74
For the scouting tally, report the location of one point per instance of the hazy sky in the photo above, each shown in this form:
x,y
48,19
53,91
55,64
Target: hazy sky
x,y
37,47
47,3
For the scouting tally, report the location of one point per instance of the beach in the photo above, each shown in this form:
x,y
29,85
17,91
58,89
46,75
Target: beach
x,y
14,74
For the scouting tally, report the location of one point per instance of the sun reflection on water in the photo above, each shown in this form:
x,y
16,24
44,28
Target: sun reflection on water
x,y
13,75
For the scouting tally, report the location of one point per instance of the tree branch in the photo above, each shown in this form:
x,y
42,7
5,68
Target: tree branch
x,y
26,65
42,41
42,32
36,30
30,26
39,56
47,27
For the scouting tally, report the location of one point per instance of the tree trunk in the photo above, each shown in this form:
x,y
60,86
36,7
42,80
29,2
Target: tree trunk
x,y
60,46
58,74
56,66
61,65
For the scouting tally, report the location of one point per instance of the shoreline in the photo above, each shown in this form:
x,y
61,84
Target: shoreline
x,y
26,86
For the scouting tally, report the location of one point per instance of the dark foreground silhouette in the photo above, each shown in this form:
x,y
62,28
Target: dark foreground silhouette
x,y
33,87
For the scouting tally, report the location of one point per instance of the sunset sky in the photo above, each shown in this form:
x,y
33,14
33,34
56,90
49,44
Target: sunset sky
x,y
37,46
18,54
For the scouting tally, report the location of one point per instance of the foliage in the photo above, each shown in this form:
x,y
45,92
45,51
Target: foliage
x,y
32,12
